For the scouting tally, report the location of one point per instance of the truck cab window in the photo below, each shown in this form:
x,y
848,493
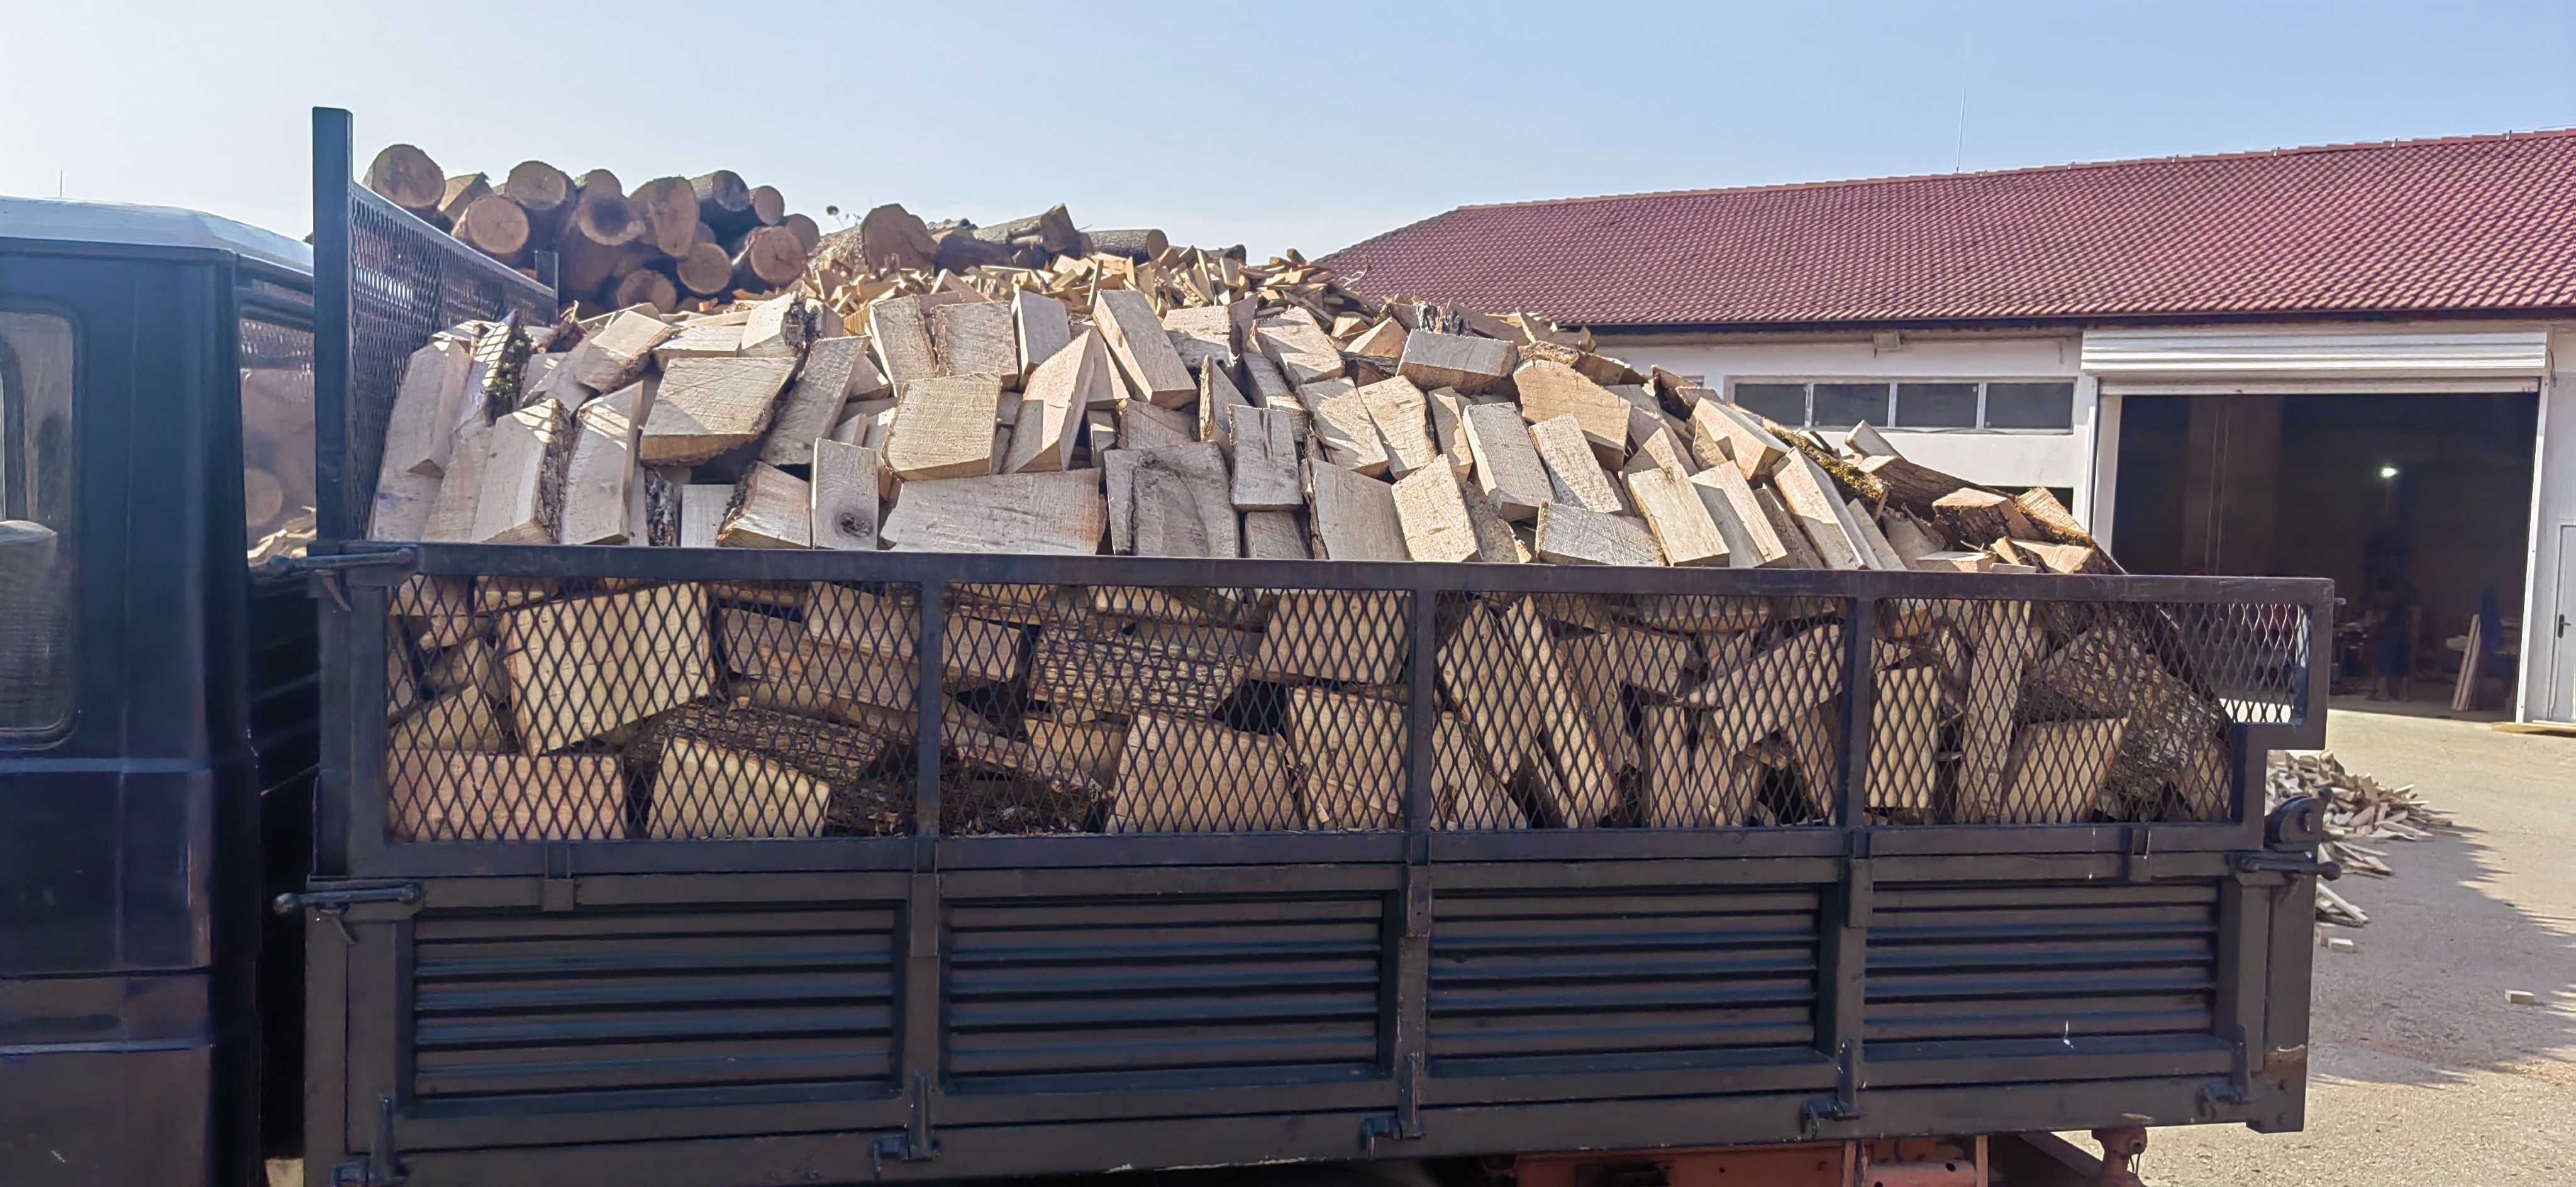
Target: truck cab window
x,y
277,439
38,563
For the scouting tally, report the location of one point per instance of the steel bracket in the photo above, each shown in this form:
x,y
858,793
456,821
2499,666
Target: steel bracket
x,y
1844,1104
2139,863
382,1167
915,1143
334,904
327,575
1406,1122
1860,888
558,890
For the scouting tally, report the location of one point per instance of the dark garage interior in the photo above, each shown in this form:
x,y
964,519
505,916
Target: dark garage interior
x,y
2435,487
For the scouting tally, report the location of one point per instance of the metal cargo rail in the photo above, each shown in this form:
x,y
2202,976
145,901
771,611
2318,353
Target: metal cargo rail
x,y
728,866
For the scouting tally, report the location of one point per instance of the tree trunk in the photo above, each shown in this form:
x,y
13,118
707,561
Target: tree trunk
x,y
406,177
960,250
891,237
1054,231
768,205
807,232
724,202
644,286
538,188
706,270
602,214
495,226
1139,244
461,192
668,207
770,259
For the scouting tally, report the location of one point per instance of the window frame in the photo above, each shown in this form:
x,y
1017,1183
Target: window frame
x,y
15,442
1893,382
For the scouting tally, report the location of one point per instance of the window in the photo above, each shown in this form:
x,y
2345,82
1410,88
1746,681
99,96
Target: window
x,y
2030,405
1842,405
2025,405
277,439
37,543
1935,406
1783,402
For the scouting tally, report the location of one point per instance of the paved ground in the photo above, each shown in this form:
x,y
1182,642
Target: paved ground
x,y
2422,1074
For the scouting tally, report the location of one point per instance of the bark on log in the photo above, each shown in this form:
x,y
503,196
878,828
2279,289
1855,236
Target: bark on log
x,y
705,269
461,192
1135,243
891,237
960,250
644,286
406,177
806,231
1053,230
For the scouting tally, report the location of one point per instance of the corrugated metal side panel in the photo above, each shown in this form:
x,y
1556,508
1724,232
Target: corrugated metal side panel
x,y
652,999
2041,961
2314,354
1569,980
1074,995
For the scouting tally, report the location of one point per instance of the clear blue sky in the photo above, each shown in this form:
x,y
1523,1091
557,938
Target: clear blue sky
x,y
1309,125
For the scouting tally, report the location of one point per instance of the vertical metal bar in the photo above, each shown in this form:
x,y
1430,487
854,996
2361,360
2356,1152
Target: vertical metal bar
x,y
335,518
1860,708
930,700
2244,929
1422,713
367,638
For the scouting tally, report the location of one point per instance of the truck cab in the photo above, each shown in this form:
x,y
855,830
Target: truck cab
x,y
157,675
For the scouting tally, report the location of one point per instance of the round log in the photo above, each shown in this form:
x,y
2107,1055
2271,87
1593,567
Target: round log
x,y
495,226
583,268
263,496
1054,231
644,286
960,250
891,237
807,231
768,205
538,188
724,202
1136,243
706,270
770,259
669,208
406,177
601,213
461,192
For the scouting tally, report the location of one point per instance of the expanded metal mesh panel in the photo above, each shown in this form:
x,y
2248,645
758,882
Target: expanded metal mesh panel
x,y
1084,994
2039,712
408,280
507,1004
1176,710
1656,711
1534,982
2061,962
603,709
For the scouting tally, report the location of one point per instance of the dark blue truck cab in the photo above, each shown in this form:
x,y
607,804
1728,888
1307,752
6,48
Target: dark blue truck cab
x,y
156,693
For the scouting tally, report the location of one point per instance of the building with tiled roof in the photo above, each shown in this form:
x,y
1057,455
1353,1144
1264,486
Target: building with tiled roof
x,y
2265,362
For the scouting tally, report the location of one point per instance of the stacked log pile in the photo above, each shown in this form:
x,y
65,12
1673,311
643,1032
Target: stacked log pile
x,y
2358,809
670,243
1193,405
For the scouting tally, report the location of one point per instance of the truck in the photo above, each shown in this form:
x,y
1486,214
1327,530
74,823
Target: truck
x,y
263,899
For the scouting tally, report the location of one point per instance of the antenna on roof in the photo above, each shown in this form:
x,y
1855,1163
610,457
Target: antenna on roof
x,y
1959,147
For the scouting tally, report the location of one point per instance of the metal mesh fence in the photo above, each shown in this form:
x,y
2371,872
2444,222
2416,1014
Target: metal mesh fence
x,y
2039,712
610,708
407,281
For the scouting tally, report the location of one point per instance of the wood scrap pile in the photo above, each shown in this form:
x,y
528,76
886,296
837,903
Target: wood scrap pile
x,y
2358,809
1189,405
670,243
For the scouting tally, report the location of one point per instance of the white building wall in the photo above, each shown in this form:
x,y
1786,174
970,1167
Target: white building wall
x,y
2007,459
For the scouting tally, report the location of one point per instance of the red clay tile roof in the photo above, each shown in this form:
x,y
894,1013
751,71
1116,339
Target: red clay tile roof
x,y
2483,223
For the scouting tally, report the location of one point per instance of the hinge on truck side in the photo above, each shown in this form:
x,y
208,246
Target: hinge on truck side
x,y
1406,1124
334,904
1844,1104
914,1144
382,1168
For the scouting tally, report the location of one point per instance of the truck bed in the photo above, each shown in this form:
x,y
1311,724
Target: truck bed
x,y
694,898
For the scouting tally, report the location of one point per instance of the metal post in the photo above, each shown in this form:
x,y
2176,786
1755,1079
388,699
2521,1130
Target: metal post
x,y
335,519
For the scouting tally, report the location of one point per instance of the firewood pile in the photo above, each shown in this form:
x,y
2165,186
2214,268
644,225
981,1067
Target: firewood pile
x,y
669,243
908,392
2358,809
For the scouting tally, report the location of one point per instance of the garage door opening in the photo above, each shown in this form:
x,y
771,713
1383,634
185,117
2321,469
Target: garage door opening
x,y
2431,491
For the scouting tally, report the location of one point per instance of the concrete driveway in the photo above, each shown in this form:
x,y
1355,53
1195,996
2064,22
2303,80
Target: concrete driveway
x,y
2422,1074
